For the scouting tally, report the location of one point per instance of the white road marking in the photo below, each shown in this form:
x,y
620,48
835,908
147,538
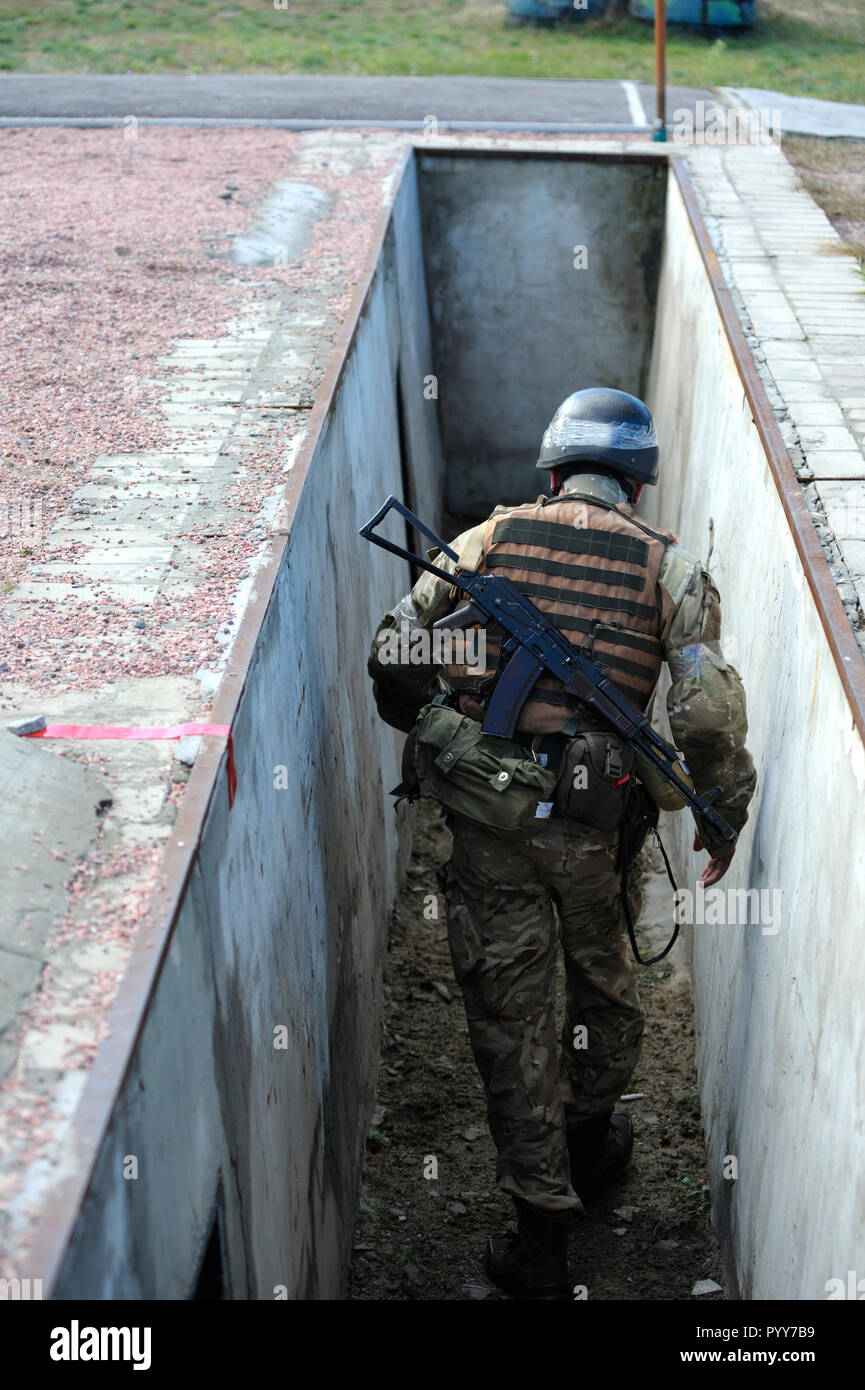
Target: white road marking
x,y
635,105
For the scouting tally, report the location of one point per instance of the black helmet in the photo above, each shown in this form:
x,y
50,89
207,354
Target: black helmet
x,y
603,426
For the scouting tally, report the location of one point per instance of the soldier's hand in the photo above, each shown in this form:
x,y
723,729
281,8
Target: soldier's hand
x,y
715,869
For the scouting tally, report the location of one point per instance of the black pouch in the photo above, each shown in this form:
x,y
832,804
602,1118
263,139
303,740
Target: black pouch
x,y
409,785
595,778
640,816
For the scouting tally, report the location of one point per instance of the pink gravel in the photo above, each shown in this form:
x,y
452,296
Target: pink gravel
x,y
106,243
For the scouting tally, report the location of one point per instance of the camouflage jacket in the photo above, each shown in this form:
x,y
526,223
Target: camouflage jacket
x,y
706,700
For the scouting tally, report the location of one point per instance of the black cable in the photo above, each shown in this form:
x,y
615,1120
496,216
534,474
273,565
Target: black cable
x,y
631,934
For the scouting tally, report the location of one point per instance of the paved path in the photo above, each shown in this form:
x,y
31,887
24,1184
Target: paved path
x,y
311,101
807,115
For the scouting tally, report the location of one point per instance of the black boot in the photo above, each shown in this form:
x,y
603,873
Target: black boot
x,y
531,1262
600,1150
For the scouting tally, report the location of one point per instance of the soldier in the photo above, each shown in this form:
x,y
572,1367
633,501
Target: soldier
x,y
635,598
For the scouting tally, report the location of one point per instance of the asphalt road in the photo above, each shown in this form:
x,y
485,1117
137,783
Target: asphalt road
x,y
333,100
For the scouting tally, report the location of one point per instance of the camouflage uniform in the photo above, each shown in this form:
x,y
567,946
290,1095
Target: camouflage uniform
x,y
510,894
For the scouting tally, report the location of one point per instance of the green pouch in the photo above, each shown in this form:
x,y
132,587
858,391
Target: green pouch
x,y
486,780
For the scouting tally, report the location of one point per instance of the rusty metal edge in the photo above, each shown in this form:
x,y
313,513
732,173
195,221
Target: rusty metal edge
x,y
845,650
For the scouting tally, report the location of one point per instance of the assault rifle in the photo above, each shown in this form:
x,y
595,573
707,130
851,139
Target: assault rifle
x,y
534,645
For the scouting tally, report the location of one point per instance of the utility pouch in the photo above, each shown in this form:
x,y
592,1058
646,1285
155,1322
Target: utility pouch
x,y
409,786
595,778
487,780
661,791
640,816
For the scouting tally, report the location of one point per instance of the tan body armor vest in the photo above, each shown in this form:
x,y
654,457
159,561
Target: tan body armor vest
x,y
592,570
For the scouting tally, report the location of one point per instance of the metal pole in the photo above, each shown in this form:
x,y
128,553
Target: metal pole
x,y
660,130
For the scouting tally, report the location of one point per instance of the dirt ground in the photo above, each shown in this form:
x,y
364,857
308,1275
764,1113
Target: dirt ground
x,y
422,1237
833,171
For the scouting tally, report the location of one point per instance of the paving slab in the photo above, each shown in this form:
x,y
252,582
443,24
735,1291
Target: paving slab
x,y
807,115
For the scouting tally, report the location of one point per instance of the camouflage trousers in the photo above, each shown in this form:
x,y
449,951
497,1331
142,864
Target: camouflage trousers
x,y
510,897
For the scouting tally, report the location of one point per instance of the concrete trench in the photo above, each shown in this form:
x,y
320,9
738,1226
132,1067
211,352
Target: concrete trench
x,y
245,1067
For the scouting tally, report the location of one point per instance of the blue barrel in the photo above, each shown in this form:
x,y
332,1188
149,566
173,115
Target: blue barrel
x,y
554,11
707,14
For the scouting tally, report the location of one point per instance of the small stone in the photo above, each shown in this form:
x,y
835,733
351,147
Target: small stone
x,y
443,991
32,725
475,1291
704,1286
456,1208
620,1230
624,1213
472,1133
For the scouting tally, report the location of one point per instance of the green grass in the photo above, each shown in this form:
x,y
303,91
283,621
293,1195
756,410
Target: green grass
x,y
810,47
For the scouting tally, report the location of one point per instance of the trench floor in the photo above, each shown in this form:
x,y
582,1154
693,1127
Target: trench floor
x,y
421,1233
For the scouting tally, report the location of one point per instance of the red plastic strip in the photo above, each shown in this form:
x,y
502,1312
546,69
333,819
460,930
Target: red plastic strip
x,y
172,731
120,731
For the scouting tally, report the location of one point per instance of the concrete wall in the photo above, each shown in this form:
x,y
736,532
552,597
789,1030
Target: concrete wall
x,y
284,921
780,1017
517,326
